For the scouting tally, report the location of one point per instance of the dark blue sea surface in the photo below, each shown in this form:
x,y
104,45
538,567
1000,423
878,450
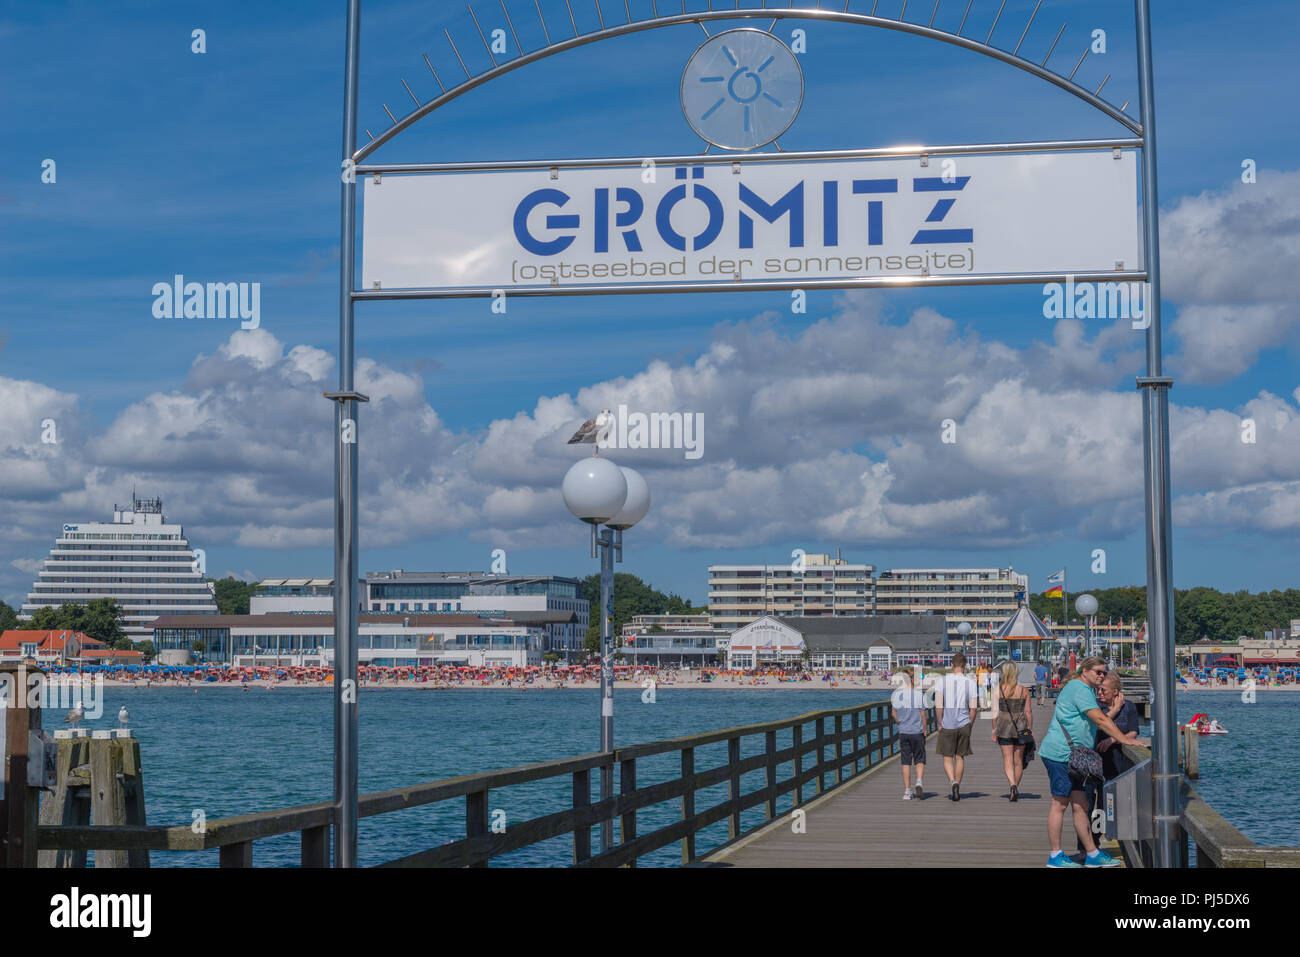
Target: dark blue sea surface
x,y
225,751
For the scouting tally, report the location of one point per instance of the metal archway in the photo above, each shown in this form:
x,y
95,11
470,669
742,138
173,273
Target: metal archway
x,y
1154,385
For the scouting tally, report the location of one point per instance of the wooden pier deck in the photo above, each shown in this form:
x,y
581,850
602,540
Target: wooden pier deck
x,y
866,823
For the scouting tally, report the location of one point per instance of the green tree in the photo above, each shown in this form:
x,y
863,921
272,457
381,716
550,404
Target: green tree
x,y
8,617
632,596
232,595
147,650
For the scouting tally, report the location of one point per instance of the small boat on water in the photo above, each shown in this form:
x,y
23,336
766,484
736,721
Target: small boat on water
x,y
1203,724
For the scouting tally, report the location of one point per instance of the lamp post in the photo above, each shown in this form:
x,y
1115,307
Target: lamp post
x,y
963,629
599,493
1086,605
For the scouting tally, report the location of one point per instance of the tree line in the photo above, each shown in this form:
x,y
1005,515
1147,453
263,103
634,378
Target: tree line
x,y
1198,612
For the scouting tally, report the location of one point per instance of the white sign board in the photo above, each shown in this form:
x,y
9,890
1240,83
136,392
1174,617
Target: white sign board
x,y
829,219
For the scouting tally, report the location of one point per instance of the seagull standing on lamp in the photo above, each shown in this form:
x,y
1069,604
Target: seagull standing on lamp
x,y
601,493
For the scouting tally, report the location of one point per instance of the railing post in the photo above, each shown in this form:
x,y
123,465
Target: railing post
x,y
839,749
821,755
798,764
19,804
581,799
476,818
230,855
316,846
627,785
733,789
688,804
857,738
771,775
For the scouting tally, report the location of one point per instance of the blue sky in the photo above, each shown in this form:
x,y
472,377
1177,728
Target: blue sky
x,y
223,166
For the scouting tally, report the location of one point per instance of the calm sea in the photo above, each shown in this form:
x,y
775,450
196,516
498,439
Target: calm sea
x,y
225,752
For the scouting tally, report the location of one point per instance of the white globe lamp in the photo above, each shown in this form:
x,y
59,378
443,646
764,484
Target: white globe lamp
x,y
637,502
594,490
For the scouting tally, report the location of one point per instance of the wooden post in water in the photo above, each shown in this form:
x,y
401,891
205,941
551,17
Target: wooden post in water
x,y
1192,753
100,782
18,801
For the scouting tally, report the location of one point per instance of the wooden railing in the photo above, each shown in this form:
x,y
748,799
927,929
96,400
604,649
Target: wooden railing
x,y
840,748
1217,842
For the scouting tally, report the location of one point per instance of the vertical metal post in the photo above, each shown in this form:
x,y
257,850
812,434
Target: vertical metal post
x,y
606,676
1155,433
345,484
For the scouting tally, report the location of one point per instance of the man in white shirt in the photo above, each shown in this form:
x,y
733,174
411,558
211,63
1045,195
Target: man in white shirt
x,y
956,703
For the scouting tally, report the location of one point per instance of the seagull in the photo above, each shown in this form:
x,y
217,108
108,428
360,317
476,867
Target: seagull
x,y
594,431
75,715
123,717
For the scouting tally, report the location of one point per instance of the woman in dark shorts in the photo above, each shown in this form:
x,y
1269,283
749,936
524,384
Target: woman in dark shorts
x,y
1011,715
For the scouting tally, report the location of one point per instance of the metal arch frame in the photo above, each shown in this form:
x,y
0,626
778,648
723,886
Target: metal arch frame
x,y
701,17
1154,385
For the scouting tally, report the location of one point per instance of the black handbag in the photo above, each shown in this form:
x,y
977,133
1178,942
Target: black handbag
x,y
1085,763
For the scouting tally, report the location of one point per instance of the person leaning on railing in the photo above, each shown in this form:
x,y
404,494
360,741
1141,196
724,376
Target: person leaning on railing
x,y
1077,713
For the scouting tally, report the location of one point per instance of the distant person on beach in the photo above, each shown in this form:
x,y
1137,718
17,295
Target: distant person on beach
x,y
956,703
1011,716
1077,712
1040,681
907,708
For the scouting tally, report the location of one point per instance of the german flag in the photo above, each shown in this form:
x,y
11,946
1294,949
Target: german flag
x,y
1056,585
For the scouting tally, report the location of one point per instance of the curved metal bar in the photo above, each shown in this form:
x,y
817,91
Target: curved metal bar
x,y
670,20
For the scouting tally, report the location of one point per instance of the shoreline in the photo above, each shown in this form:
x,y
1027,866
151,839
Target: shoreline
x,y
638,684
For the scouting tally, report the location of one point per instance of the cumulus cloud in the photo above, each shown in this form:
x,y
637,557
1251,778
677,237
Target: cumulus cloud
x,y
835,431
1228,259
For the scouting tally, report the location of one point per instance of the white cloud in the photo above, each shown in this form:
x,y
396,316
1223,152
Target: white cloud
x,y
1228,259
830,433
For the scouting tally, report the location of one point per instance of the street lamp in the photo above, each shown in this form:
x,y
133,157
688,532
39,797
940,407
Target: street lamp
x,y
963,629
1086,605
599,493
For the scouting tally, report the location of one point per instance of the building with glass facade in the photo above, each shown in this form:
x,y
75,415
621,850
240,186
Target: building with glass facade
x,y
401,592
388,640
139,560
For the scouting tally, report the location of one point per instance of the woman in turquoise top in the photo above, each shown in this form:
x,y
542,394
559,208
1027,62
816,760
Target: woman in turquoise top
x,y
1078,711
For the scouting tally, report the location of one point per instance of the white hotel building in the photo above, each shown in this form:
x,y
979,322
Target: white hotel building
x,y
819,585
985,597
146,565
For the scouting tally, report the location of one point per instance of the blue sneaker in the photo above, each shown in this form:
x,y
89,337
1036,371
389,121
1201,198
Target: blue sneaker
x,y
1100,859
1060,860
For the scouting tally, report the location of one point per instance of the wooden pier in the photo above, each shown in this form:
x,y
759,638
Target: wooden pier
x,y
868,824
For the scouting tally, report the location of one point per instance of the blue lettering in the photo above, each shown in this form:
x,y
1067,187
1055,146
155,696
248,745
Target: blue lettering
x,y
674,196
875,208
930,184
526,239
791,202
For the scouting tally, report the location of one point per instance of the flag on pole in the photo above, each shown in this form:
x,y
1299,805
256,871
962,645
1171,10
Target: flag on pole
x,y
1055,585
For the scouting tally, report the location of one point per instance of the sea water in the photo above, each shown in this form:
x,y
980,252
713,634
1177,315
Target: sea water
x,y
224,751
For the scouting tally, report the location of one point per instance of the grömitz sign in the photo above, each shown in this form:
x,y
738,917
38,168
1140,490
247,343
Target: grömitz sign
x,y
964,216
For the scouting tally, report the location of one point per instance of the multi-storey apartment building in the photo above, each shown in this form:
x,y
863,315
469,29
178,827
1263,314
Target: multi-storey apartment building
x,y
809,586
984,597
138,559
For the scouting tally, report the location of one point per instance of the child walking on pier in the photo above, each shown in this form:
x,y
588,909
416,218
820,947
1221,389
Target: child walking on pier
x,y
907,708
